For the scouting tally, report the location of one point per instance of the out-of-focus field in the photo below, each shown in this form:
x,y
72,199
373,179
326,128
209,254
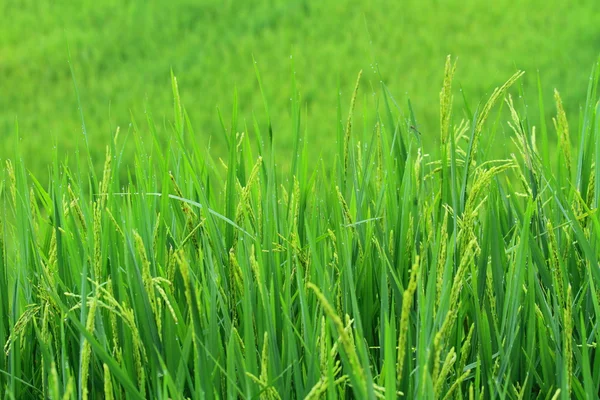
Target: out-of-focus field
x,y
123,51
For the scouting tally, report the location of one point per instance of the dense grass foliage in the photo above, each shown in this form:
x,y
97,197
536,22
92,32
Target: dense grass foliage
x,y
122,53
384,273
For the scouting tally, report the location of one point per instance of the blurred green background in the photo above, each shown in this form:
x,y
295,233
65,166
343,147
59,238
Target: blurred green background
x,y
123,51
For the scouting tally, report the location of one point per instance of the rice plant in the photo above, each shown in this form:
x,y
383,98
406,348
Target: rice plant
x,y
405,267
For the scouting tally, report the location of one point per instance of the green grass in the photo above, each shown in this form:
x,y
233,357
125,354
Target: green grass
x,y
380,272
122,53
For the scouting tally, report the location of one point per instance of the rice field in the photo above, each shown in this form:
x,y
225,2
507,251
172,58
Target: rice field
x,y
122,52
398,268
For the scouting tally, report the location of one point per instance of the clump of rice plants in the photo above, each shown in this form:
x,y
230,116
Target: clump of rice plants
x,y
383,273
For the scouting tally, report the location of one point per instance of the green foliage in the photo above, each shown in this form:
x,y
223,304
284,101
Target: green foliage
x,y
122,53
388,272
